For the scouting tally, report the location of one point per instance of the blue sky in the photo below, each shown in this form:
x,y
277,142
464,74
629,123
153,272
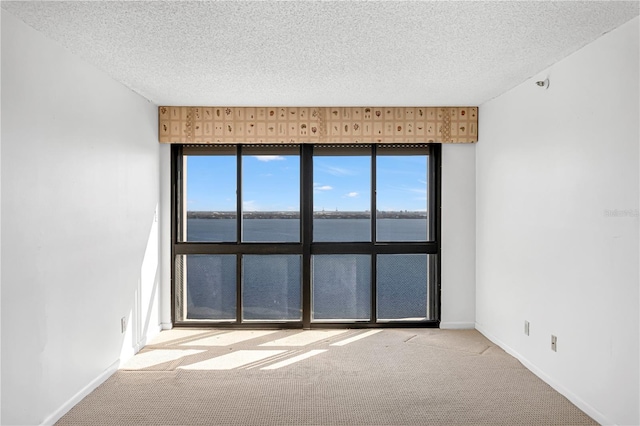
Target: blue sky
x,y
271,183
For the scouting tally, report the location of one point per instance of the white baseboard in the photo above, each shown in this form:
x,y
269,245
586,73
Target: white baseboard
x,y
457,325
575,400
57,415
141,344
153,332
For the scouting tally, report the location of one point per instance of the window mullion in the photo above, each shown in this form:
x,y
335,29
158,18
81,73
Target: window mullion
x,y
374,209
239,222
239,213
306,223
435,189
433,206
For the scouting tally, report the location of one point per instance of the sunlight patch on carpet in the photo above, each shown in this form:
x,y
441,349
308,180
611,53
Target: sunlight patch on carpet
x,y
295,359
230,338
156,357
356,338
232,360
304,338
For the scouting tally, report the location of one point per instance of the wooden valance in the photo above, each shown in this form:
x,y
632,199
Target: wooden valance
x,y
318,124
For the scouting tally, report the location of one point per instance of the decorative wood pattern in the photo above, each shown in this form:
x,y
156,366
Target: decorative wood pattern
x,y
318,124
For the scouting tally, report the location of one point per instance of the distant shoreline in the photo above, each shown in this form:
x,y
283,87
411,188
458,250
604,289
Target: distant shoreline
x,y
317,215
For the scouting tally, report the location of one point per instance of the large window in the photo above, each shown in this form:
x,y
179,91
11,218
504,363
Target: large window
x,y
306,235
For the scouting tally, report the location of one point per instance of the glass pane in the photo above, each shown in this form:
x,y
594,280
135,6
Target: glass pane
x,y
402,287
271,287
210,182
270,197
341,287
401,203
341,198
209,282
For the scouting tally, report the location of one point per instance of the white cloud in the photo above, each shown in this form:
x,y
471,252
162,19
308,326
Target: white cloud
x,y
352,194
323,188
267,158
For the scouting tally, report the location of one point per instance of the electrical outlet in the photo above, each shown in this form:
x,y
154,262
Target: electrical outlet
x,y
123,324
554,343
526,328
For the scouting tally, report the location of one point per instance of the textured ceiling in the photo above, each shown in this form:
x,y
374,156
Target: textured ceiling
x,y
322,53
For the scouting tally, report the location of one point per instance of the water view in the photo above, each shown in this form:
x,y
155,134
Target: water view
x,y
327,227
271,284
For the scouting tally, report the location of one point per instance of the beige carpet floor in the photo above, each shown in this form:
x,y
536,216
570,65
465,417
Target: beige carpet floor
x,y
324,377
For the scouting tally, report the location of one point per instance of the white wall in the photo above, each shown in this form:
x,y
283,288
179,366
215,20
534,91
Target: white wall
x,y
165,237
557,225
80,193
458,236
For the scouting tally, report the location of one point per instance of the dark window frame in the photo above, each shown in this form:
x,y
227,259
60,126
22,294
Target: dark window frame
x,y
307,248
